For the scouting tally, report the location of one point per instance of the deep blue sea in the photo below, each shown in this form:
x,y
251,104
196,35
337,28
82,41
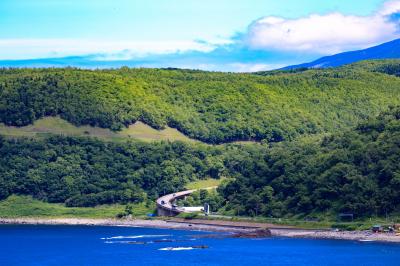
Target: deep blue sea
x,y
85,245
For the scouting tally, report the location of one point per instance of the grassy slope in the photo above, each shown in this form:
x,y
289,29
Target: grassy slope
x,y
146,133
24,206
58,126
204,183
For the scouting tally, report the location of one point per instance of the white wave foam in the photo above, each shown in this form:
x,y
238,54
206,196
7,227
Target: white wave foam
x,y
133,237
117,242
176,249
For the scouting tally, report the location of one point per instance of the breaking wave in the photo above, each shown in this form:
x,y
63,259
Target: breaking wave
x,y
176,249
133,237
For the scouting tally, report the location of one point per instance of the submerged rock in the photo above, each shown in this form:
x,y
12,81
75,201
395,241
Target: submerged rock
x,y
200,247
258,233
136,243
163,240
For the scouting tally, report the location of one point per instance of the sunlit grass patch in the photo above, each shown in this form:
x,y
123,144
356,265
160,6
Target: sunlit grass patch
x,y
25,206
206,183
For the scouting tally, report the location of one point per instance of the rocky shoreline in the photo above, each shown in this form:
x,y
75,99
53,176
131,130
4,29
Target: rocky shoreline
x,y
237,228
361,236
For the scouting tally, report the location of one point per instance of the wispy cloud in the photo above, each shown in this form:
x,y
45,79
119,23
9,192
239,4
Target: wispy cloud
x,y
389,8
325,34
107,50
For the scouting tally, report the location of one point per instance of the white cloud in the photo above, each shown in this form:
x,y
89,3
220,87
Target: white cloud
x,y
111,50
390,7
325,34
227,67
242,67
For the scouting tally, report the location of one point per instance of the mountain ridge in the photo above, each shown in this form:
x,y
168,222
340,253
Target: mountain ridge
x,y
388,50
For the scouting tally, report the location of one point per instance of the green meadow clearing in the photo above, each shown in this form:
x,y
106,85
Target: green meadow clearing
x,y
25,206
58,126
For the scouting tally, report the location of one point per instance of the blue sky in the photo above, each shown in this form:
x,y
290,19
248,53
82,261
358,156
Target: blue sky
x,y
228,35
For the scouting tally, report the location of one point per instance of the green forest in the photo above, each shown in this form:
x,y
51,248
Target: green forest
x,y
87,172
208,106
356,171
329,140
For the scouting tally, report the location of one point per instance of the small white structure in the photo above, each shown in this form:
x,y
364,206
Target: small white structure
x,y
192,209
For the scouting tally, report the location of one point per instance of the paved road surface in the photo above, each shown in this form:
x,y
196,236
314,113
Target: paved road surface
x,y
164,203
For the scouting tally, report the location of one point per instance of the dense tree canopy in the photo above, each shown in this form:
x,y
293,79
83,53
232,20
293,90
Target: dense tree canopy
x,y
85,172
213,107
355,172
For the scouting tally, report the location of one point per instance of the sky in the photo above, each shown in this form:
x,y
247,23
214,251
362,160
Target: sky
x,y
224,35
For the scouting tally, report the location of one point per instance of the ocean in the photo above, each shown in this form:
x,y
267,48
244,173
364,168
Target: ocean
x,y
101,245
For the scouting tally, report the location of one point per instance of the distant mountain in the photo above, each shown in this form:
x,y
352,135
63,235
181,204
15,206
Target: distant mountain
x,y
389,50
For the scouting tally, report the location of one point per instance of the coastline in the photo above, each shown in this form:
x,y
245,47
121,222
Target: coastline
x,y
212,226
161,224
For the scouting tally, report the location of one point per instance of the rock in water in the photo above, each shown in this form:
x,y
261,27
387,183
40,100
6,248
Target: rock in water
x,y
258,233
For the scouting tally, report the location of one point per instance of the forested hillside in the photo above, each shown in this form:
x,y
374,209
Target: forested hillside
x,y
356,172
352,165
212,107
87,172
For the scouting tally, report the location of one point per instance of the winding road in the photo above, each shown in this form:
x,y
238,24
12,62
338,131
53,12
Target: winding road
x,y
165,206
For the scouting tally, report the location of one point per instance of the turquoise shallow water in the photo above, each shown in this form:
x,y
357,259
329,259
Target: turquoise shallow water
x,y
84,245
